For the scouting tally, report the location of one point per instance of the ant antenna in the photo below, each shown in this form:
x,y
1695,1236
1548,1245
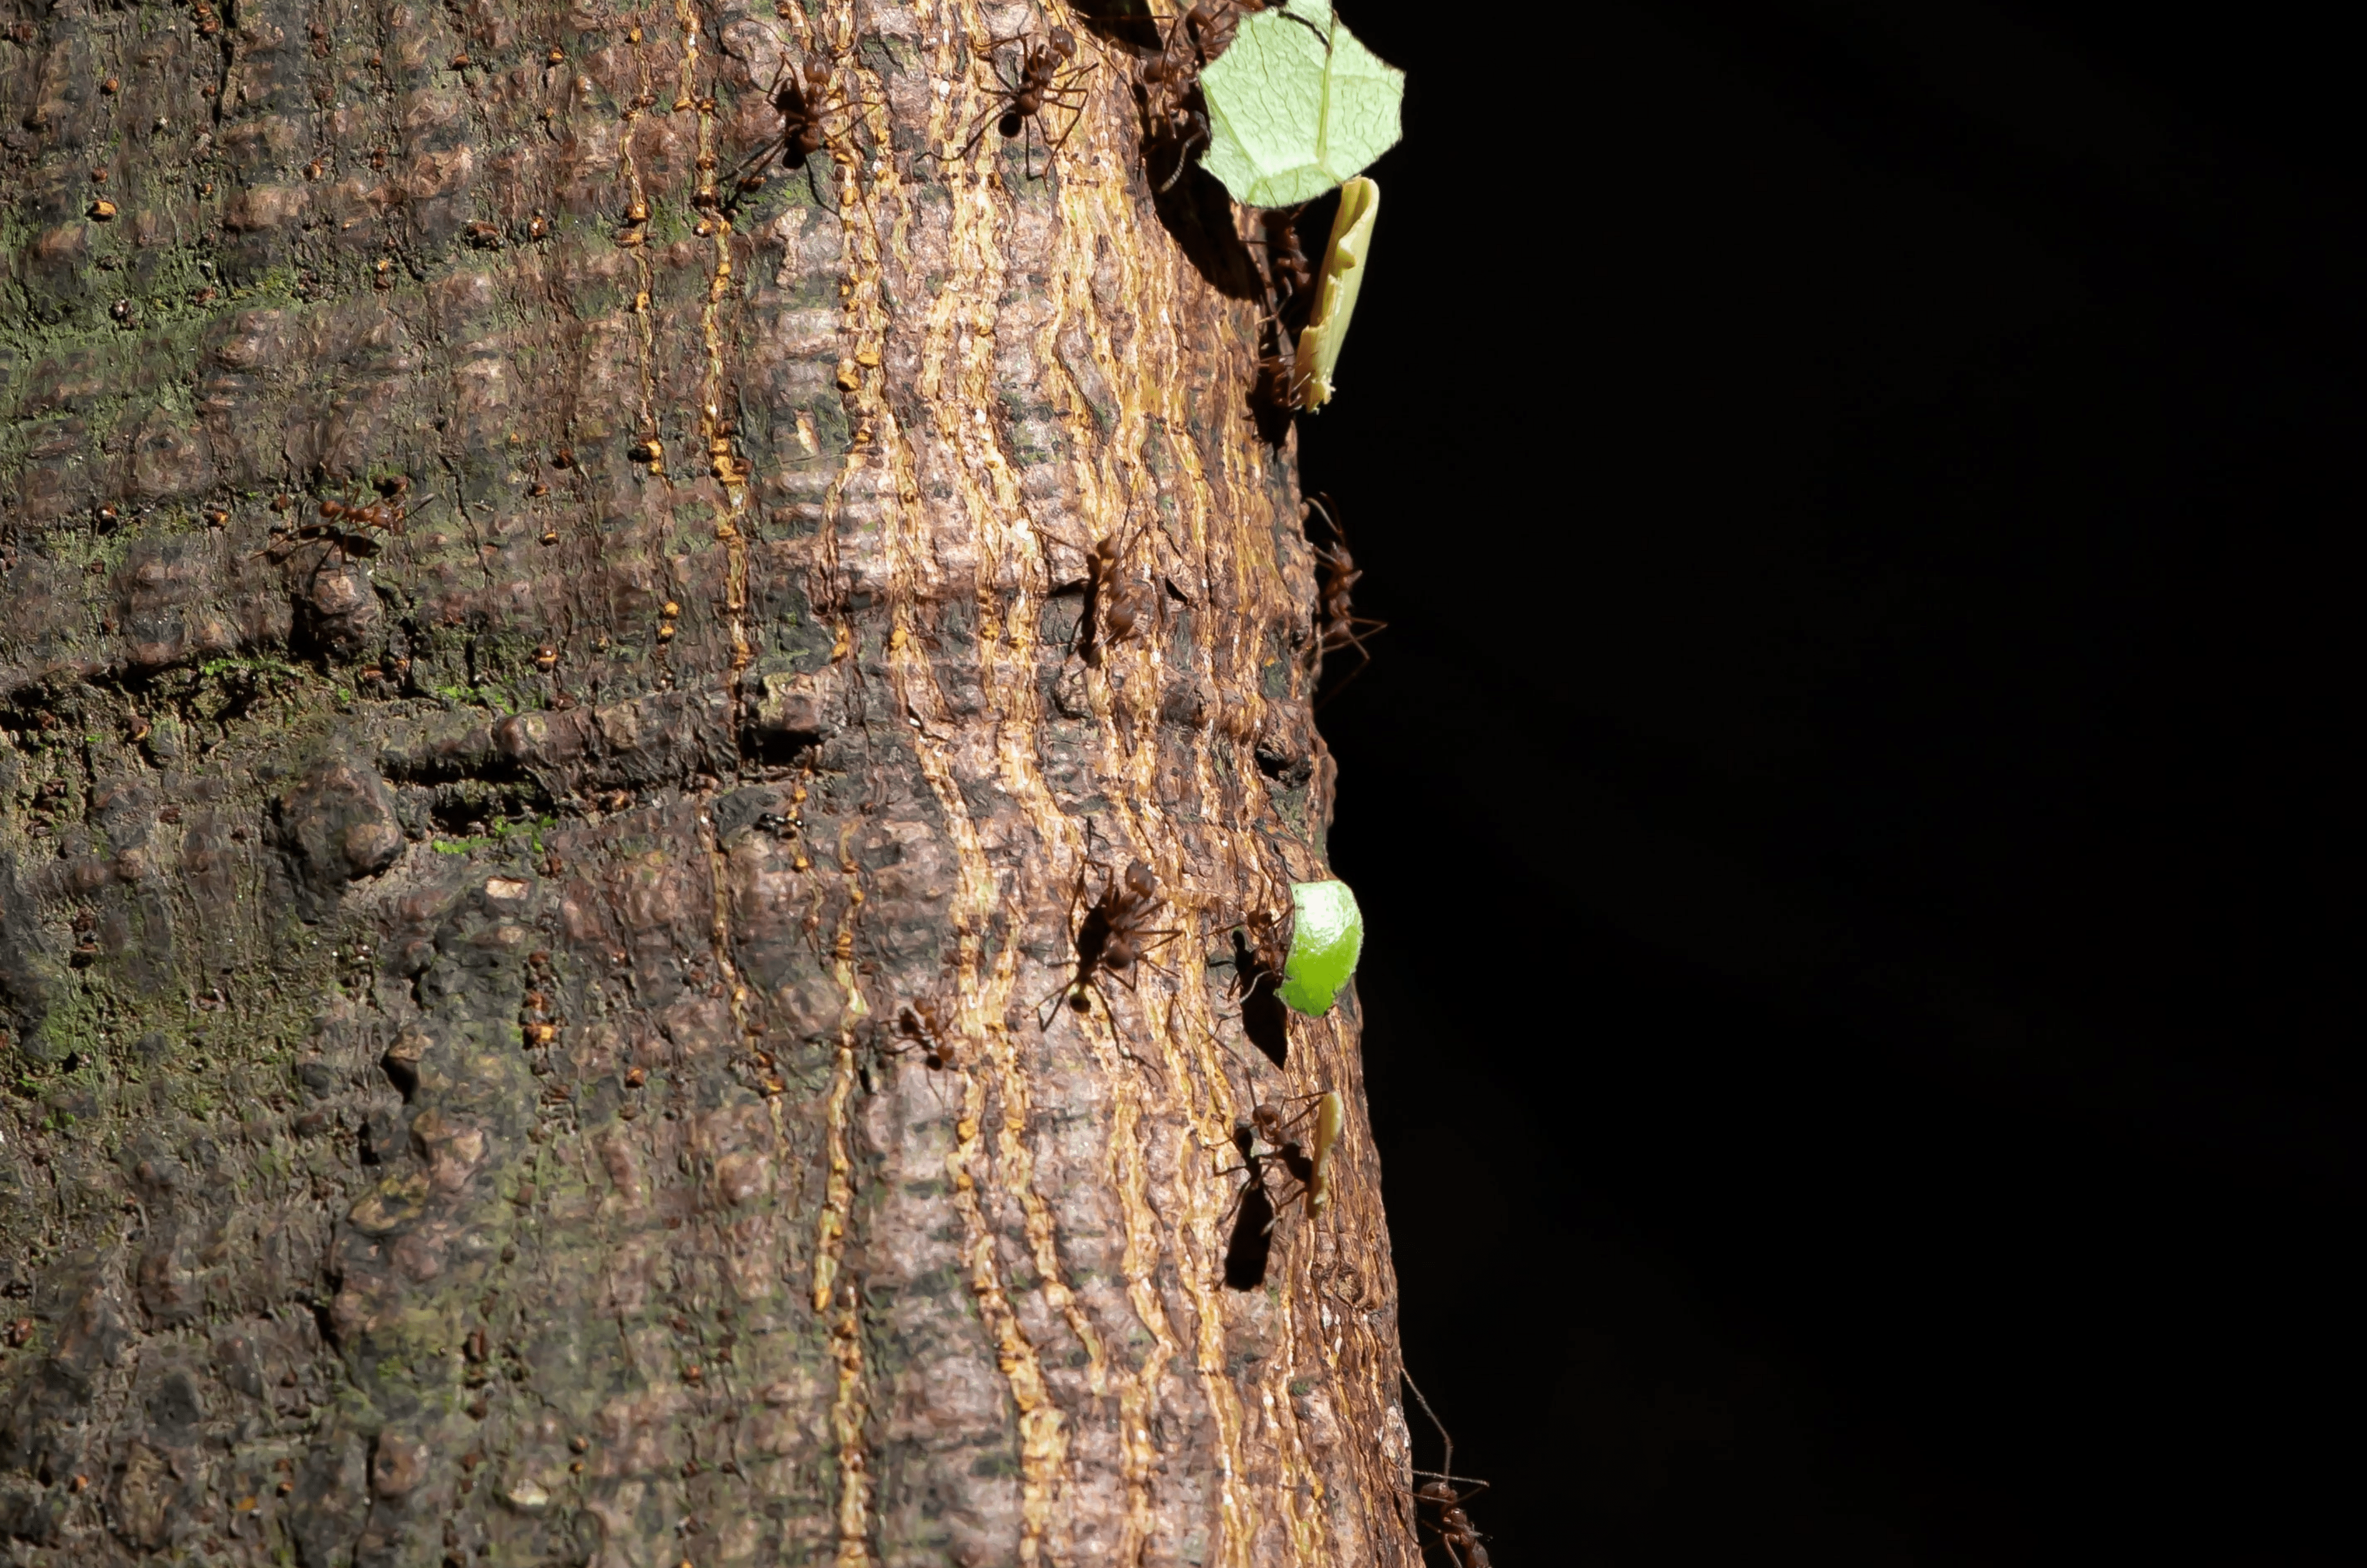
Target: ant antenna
x,y
1448,1464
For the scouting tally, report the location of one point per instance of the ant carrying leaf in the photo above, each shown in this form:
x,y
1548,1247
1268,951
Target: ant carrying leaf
x,y
1301,1144
1256,986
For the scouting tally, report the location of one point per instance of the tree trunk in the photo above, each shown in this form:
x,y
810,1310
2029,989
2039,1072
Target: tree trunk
x,y
462,1104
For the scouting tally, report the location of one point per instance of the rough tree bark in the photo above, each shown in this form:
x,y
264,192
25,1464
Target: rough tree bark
x,y
454,1111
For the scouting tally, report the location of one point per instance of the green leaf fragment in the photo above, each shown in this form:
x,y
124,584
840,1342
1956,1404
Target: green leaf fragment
x,y
1327,932
1296,105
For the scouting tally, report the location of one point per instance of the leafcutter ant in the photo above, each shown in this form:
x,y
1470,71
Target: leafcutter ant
x,y
1269,1138
1257,986
1289,272
922,1028
1114,935
1046,77
1309,1159
797,94
1198,36
1454,1527
385,513
1112,614
343,523
1339,626
1273,395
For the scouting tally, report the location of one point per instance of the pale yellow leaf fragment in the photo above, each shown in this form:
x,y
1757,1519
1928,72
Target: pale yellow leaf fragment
x,y
1335,294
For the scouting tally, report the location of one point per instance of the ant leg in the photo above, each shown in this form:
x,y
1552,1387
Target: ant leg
x,y
1005,95
992,113
754,163
1363,659
1054,999
1117,1038
1257,1178
1298,1196
1076,115
752,168
1317,502
1423,1401
1075,893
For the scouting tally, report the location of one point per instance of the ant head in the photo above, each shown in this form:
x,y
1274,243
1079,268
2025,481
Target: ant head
x,y
1437,1492
1064,43
1142,880
1268,1122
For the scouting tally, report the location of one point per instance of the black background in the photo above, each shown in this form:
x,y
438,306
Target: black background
x,y
1853,808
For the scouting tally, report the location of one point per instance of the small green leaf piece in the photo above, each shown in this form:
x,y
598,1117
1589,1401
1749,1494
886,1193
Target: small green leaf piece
x,y
1327,932
1335,294
1296,105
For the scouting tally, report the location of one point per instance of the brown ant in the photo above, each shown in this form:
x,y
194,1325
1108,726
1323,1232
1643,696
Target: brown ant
x,y
1114,935
1273,395
1308,1160
1046,77
1337,571
922,1028
1256,985
1437,1490
1198,36
1289,273
797,94
1111,614
385,515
